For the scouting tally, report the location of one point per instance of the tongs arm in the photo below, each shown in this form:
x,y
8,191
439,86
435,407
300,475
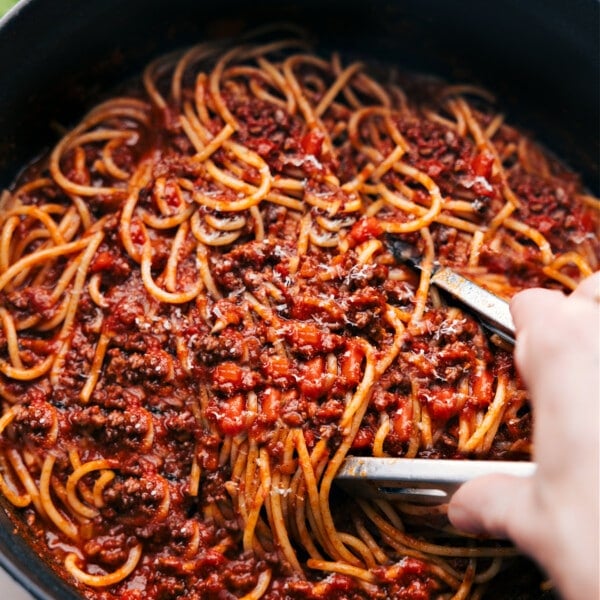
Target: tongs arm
x,y
493,312
418,480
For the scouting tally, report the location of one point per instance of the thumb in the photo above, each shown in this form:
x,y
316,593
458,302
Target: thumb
x,y
494,505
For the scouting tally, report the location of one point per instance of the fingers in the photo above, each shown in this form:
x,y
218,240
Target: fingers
x,y
557,335
589,288
534,305
539,335
509,507
490,505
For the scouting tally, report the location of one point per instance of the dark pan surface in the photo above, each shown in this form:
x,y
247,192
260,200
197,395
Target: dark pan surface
x,y
540,57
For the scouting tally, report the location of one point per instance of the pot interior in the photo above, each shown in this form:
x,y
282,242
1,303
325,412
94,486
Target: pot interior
x,y
539,58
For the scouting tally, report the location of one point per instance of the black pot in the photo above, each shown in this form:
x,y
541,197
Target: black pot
x,y
540,57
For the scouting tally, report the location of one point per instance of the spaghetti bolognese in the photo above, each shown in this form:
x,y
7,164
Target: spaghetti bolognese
x,y
201,318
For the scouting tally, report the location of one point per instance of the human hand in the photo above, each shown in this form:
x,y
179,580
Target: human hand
x,y
554,515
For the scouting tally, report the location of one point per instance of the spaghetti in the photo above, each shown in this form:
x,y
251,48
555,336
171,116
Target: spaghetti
x,y
201,318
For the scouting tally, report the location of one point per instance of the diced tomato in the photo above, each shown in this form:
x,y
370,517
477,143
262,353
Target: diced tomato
x,y
228,372
588,221
278,369
271,404
402,421
314,381
442,402
232,419
306,336
103,261
229,377
351,363
364,438
482,163
481,386
313,369
312,142
364,229
228,312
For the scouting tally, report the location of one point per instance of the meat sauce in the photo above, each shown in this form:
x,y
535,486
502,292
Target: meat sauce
x,y
178,379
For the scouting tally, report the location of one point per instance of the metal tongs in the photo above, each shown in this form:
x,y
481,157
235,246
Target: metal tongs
x,y
427,481
492,311
418,480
